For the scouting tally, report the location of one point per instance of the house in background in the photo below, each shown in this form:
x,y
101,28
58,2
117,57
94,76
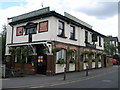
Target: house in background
x,y
53,42
113,42
111,47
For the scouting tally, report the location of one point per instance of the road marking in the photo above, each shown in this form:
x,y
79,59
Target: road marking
x,y
68,82
4,79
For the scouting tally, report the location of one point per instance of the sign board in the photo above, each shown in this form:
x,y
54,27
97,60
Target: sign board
x,y
31,14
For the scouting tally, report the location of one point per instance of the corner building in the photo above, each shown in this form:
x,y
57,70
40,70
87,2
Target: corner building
x,y
55,42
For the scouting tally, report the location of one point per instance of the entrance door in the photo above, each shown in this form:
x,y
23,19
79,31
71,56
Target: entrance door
x,y
41,60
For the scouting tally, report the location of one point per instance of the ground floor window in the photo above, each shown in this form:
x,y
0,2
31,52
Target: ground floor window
x,y
23,59
61,55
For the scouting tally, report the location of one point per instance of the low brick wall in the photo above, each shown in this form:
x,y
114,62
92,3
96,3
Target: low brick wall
x,y
27,68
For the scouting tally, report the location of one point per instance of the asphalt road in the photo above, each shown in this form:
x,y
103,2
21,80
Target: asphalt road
x,y
108,80
98,78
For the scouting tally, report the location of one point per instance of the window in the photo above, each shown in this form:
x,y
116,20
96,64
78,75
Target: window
x,y
61,55
30,31
61,28
86,36
43,26
31,28
100,41
72,32
19,31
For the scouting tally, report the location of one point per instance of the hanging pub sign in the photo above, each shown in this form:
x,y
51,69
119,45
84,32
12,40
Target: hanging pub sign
x,y
31,14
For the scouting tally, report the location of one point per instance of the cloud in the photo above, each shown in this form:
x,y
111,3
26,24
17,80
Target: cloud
x,y
101,10
98,13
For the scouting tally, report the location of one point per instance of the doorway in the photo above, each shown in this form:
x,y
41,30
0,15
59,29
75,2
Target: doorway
x,y
41,59
104,60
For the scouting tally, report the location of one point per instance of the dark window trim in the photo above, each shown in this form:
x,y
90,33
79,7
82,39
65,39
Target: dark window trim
x,y
73,39
39,26
61,36
100,41
86,39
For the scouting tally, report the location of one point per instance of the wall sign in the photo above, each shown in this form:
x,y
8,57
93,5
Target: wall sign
x,y
19,31
43,26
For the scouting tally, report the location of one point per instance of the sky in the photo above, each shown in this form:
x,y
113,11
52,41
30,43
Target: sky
x,y
101,14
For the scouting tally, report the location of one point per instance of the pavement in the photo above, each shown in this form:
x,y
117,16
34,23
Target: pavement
x,y
41,81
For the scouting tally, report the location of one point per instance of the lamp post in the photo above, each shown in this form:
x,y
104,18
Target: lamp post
x,y
86,57
86,69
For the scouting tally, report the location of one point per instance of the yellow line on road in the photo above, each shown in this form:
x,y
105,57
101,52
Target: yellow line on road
x,y
4,79
68,82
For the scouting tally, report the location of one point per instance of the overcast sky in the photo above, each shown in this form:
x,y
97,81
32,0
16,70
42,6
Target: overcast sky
x,y
101,14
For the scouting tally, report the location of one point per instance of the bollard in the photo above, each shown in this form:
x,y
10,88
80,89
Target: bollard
x,y
64,73
86,70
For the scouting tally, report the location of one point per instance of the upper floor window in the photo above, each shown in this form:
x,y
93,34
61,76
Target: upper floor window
x,y
61,28
31,28
100,41
86,36
43,26
72,32
19,31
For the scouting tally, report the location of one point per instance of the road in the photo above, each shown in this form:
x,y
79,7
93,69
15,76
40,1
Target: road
x,y
109,80
98,78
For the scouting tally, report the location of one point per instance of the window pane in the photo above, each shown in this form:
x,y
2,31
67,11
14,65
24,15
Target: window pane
x,y
86,36
60,32
32,30
61,25
61,28
72,32
63,54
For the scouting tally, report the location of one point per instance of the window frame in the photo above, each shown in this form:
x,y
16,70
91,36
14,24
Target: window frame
x,y
86,36
63,55
100,44
62,29
46,27
72,32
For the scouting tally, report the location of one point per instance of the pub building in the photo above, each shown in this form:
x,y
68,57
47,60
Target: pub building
x,y
46,42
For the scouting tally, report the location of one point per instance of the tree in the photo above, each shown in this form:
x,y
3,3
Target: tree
x,y
110,49
12,52
21,53
3,42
